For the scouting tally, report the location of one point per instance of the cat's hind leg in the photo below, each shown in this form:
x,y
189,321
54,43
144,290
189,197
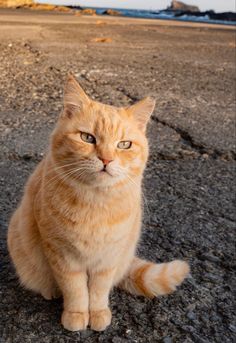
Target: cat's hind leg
x,y
29,260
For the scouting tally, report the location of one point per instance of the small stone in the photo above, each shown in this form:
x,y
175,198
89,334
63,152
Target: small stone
x,y
167,339
86,333
199,339
7,130
191,315
188,340
232,328
211,257
192,281
188,328
117,339
212,277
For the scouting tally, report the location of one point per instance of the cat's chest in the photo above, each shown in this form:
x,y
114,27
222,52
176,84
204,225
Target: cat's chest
x,y
102,217
91,228
91,244
100,228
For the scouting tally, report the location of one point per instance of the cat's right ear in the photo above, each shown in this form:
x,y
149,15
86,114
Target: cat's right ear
x,y
74,97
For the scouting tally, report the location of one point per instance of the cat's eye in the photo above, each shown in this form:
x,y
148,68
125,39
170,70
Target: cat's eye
x,y
124,145
86,137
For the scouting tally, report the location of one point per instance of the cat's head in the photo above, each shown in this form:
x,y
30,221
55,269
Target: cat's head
x,y
98,144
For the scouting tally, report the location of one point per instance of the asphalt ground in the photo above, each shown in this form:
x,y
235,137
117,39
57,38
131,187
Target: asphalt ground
x,y
189,184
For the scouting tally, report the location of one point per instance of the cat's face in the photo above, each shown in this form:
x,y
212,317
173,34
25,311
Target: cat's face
x,y
97,144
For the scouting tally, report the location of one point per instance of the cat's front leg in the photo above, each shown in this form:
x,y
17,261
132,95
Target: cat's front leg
x,y
100,283
73,285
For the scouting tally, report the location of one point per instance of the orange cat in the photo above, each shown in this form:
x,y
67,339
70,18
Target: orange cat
x,y
78,224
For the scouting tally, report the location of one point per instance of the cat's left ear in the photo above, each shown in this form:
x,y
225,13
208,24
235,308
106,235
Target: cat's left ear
x,y
74,97
142,111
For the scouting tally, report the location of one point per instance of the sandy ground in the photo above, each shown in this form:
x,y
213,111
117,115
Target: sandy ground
x,y
189,183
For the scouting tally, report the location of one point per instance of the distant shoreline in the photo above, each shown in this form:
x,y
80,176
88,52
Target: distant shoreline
x,y
162,14
208,17
28,16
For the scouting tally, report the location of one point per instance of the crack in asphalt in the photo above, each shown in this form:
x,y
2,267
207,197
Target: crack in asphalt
x,y
128,94
188,140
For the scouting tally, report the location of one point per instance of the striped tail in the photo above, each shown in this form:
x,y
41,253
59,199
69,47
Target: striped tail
x,y
150,279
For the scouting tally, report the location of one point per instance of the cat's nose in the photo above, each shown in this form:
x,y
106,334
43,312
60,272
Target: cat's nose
x,y
105,161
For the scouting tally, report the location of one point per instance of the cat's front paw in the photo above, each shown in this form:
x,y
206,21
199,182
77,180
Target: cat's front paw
x,y
75,321
99,320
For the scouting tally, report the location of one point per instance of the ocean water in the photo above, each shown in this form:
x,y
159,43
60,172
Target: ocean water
x,y
163,15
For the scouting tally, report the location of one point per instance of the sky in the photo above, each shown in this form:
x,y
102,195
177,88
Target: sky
x,y
216,5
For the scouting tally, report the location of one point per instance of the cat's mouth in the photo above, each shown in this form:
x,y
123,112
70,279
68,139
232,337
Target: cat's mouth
x,y
104,171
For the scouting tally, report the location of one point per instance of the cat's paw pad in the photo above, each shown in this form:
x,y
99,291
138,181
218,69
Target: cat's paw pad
x,y
99,320
75,321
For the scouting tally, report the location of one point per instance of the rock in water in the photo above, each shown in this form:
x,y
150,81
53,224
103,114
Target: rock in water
x,y
88,11
112,12
181,6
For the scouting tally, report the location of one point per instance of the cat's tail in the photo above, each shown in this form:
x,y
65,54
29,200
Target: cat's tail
x,y
151,279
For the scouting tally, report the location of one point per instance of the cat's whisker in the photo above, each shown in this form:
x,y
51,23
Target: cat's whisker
x,y
68,165
60,175
68,175
52,169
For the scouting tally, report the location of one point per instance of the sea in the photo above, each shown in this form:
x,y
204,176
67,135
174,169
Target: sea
x,y
167,15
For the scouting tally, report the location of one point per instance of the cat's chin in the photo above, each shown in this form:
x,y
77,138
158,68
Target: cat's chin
x,y
100,179
105,179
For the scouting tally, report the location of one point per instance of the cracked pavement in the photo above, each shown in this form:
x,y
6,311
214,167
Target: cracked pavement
x,y
189,184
